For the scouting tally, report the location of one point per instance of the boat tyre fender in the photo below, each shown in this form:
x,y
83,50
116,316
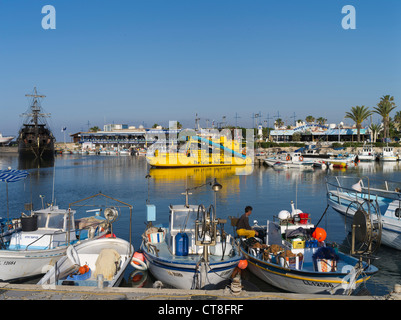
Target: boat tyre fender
x,y
141,266
288,158
301,158
72,255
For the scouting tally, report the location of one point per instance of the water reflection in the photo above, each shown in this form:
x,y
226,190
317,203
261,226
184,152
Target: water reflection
x,y
29,163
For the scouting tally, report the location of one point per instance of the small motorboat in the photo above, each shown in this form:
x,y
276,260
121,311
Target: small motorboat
x,y
191,252
289,160
100,262
290,253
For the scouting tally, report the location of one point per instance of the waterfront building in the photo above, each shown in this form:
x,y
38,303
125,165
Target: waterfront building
x,y
118,137
316,132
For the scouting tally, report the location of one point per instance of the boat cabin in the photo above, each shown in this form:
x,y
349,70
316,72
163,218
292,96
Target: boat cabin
x,y
388,151
45,229
182,220
368,150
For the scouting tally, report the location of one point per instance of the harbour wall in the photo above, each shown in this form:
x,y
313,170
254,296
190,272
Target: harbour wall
x,y
9,291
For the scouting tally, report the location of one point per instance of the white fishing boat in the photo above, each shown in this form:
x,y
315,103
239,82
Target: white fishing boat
x,y
190,253
388,154
45,235
43,239
101,262
367,153
292,254
289,160
346,193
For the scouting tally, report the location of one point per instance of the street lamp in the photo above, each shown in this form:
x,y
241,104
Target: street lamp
x,y
216,187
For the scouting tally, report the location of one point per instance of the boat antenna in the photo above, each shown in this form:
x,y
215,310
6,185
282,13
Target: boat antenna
x,y
54,177
148,176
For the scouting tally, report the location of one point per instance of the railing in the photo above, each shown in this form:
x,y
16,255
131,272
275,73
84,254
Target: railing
x,y
368,186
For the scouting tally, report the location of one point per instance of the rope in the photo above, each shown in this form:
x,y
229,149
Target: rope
x,y
322,216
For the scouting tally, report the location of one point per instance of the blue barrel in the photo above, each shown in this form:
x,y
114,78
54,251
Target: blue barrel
x,y
181,244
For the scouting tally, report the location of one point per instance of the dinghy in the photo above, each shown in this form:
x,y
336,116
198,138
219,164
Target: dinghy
x,y
99,263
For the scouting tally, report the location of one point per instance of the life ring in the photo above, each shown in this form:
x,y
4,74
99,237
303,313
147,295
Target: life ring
x,y
288,158
301,158
72,255
141,266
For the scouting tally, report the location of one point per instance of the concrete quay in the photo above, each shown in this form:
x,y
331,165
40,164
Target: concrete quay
x,y
9,291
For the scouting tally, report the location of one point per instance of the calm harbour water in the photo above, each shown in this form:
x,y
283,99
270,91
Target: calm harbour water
x,y
268,191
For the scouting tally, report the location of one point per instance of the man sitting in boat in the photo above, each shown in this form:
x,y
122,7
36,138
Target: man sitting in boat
x,y
243,227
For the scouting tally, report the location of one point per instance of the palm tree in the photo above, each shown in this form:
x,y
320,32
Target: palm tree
x,y
375,128
397,120
321,121
279,123
309,119
358,114
94,129
384,107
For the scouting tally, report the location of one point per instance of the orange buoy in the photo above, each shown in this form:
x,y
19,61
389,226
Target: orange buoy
x,y
301,158
242,264
288,158
82,270
109,235
140,256
319,234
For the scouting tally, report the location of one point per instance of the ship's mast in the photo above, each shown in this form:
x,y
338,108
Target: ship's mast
x,y
35,108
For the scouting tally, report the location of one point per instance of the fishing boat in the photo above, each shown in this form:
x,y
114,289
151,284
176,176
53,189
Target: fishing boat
x,y
289,160
191,252
43,239
346,193
45,235
292,254
199,151
35,140
101,262
388,154
367,153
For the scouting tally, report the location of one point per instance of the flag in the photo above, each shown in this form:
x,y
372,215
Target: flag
x,y
63,129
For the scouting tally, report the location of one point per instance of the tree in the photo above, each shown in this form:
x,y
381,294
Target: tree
x,y
279,123
155,125
358,114
321,121
94,129
397,120
310,119
384,107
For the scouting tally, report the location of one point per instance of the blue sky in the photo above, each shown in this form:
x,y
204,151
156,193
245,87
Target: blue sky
x,y
153,61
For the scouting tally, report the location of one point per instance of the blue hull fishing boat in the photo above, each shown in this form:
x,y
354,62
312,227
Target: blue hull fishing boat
x,y
290,253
